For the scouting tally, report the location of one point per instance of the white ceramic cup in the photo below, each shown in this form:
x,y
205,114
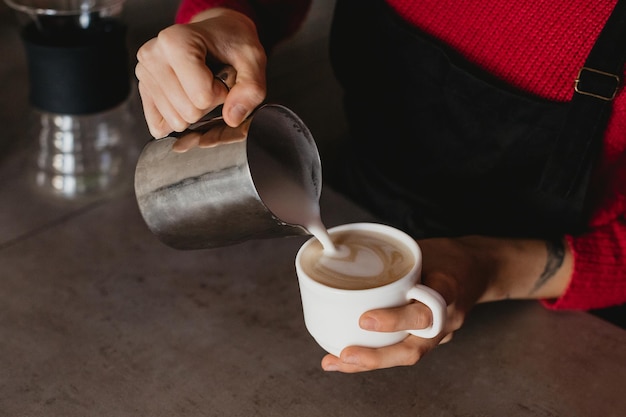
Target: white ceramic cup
x,y
332,315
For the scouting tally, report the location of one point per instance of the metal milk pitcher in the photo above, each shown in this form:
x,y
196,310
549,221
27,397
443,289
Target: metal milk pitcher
x,y
214,185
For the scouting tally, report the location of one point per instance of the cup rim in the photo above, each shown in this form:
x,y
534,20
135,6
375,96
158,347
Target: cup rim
x,y
398,234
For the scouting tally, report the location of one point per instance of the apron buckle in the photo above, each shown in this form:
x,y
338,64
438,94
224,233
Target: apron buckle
x,y
595,83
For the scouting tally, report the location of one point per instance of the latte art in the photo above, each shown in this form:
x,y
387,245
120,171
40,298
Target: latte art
x,y
363,259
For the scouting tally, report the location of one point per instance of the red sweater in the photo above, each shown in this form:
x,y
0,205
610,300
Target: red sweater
x,y
538,49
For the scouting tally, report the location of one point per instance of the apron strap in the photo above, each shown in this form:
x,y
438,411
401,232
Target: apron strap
x,y
581,136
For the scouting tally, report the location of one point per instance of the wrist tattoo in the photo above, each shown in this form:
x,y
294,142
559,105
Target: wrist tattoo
x,y
555,255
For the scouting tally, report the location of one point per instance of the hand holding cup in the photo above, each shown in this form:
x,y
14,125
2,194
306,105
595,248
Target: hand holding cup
x,y
374,266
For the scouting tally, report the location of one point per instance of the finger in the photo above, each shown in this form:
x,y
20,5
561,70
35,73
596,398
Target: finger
x,y
202,92
157,125
155,68
360,359
161,88
412,316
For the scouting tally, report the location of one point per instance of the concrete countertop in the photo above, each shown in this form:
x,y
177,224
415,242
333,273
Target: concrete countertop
x,y
98,318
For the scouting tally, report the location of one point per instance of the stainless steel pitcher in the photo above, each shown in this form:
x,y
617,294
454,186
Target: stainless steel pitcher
x,y
210,185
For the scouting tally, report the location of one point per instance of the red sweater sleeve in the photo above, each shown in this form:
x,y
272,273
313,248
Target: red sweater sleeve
x,y
189,8
599,278
275,19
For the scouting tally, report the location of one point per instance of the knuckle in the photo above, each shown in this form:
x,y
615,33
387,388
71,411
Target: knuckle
x,y
455,320
142,53
202,99
190,114
139,71
412,357
371,363
251,94
420,317
169,36
178,124
257,92
423,320
412,353
147,51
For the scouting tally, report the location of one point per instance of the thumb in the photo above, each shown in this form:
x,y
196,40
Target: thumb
x,y
246,94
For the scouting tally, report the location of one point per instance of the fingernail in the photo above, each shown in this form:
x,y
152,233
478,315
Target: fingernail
x,y
369,323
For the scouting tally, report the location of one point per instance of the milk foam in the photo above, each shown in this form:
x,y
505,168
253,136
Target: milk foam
x,y
363,259
353,261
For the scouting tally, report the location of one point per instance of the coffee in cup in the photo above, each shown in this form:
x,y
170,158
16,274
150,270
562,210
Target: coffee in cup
x,y
371,266
361,259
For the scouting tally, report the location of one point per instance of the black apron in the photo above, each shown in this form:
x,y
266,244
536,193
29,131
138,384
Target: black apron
x,y
439,147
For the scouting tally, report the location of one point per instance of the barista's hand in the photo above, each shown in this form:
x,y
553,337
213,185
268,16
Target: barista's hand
x,y
176,86
465,271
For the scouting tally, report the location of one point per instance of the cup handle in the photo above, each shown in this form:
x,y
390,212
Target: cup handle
x,y
437,305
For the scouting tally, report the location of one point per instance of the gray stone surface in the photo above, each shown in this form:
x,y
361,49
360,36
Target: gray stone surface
x,y
98,318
